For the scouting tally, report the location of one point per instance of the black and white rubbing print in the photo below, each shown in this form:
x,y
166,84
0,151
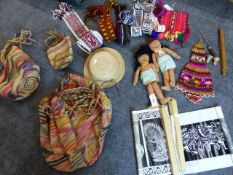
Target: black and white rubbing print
x,y
153,150
204,140
155,141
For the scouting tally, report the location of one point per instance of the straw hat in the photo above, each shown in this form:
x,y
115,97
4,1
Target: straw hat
x,y
105,66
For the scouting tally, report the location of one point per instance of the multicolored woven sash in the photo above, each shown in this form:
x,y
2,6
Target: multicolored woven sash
x,y
105,22
87,39
73,123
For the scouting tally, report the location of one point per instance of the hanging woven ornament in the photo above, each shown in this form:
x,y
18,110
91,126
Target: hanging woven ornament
x,y
195,79
19,76
59,50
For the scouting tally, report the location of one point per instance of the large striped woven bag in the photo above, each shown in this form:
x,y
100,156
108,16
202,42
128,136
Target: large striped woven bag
x,y
73,123
19,74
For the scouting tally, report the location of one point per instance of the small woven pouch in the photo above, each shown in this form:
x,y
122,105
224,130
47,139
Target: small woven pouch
x,y
60,52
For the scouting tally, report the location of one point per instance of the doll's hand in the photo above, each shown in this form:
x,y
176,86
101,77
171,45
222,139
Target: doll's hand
x,y
134,82
178,57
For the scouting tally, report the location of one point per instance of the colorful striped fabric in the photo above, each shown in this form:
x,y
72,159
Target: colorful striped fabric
x,y
61,55
105,21
73,123
195,79
88,40
177,26
19,76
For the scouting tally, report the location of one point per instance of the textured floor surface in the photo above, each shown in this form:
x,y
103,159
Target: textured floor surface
x,y
19,127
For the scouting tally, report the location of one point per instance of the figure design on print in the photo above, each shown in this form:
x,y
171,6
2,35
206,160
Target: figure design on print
x,y
155,142
204,140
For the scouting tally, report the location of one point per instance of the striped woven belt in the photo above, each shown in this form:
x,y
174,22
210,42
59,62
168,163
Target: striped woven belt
x,y
105,22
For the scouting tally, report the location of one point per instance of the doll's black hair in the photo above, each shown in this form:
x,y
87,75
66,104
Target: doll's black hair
x,y
144,49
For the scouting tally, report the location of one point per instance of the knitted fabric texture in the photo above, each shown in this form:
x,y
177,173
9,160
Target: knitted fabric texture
x,y
20,75
73,123
195,79
61,54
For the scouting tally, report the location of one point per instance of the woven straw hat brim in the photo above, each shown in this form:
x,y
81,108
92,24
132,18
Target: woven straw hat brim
x,y
115,77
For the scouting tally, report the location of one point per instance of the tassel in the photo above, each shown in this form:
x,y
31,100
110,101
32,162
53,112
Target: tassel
x,y
159,10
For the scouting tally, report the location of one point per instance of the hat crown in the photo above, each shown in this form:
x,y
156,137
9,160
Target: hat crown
x,y
103,65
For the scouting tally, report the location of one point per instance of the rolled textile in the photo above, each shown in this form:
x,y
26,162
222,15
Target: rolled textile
x,y
20,75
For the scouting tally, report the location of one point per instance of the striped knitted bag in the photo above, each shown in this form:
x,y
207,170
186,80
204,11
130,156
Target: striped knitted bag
x,y
73,123
20,75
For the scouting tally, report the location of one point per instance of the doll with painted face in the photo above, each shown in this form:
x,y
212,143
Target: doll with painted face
x,y
162,59
148,74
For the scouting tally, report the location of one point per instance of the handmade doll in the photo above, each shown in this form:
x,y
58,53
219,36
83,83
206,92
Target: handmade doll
x,y
148,74
161,57
195,79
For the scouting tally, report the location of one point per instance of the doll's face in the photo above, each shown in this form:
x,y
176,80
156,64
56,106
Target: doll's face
x,y
154,45
143,58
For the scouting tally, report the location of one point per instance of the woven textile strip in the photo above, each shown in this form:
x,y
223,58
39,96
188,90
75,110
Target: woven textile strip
x,y
121,29
73,123
77,27
105,22
80,31
106,27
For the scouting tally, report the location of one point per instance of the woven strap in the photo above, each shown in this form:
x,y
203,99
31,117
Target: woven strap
x,y
23,37
88,39
106,27
105,22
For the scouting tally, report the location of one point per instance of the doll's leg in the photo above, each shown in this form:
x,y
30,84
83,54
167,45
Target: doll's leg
x,y
172,77
159,94
166,86
151,95
149,89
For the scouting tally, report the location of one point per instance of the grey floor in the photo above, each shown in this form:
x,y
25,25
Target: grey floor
x,y
19,127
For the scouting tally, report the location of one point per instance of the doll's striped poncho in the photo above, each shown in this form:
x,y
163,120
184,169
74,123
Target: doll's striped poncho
x,y
195,79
